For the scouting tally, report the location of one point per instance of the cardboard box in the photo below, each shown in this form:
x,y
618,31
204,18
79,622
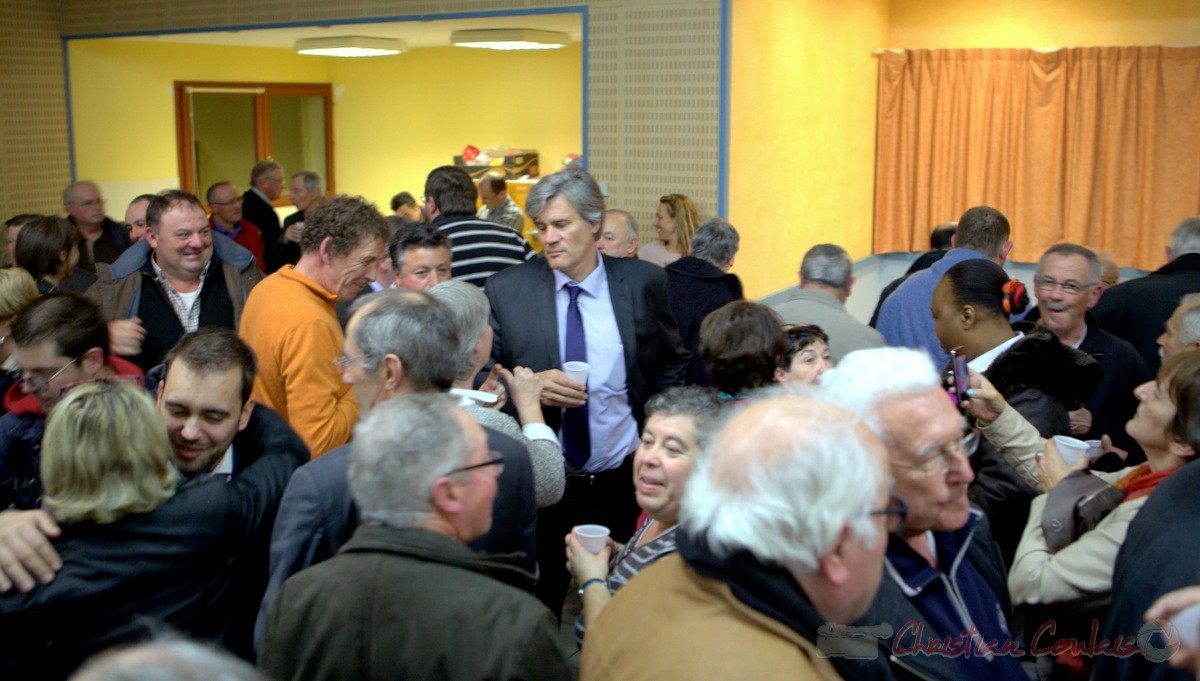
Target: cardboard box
x,y
514,166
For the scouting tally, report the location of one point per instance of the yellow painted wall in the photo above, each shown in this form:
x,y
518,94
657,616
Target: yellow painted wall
x,y
802,132
394,118
1042,23
398,119
123,104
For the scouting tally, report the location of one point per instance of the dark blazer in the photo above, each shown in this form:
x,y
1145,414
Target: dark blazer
x,y
1136,310
525,319
260,214
178,565
1158,556
696,287
317,515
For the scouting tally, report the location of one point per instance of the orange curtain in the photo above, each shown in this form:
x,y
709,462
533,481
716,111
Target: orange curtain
x,y
1095,145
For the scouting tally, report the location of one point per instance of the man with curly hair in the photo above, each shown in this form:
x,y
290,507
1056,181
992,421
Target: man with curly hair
x,y
291,320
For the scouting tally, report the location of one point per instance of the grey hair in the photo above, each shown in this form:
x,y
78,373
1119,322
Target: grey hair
x,y
262,168
167,659
1064,250
470,309
68,195
1186,237
312,180
413,326
715,241
629,220
781,480
827,264
400,448
698,403
1189,323
576,186
866,380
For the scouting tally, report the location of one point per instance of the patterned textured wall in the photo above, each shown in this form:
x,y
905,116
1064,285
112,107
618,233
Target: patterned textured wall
x,y
34,156
653,95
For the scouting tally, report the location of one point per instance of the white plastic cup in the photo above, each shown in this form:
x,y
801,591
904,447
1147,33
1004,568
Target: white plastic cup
x,y
577,371
592,537
1070,449
1187,624
1095,449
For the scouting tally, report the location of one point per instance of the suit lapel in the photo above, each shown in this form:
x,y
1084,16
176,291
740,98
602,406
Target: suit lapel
x,y
622,302
547,316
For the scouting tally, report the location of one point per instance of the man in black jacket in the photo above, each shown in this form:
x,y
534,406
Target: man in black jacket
x,y
266,184
215,428
1137,309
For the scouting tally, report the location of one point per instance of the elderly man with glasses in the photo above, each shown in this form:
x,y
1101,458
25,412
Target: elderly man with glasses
x,y
945,582
1067,285
424,482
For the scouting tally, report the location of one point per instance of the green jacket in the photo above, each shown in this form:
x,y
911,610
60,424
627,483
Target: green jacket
x,y
409,604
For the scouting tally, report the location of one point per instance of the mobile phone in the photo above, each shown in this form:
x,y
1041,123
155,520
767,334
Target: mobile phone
x,y
962,379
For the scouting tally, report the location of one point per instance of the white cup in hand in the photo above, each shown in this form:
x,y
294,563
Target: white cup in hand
x,y
1187,623
577,371
1070,449
593,538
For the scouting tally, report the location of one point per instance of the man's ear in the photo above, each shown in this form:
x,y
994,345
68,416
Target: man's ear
x,y
325,249
445,496
833,565
393,375
1002,256
92,361
247,410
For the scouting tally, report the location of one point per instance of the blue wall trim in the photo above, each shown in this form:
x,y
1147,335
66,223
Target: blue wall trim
x,y
723,124
70,121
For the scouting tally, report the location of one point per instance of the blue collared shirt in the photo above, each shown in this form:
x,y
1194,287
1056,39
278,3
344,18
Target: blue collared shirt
x,y
613,430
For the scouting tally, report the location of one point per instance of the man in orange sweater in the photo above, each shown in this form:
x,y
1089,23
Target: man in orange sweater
x,y
291,322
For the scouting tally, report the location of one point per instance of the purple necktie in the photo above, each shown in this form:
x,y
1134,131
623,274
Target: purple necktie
x,y
577,439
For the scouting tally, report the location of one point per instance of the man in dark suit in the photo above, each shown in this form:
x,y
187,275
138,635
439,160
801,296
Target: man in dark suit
x,y
397,342
266,184
612,313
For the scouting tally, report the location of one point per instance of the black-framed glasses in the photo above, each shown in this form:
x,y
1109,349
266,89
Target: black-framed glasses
x,y
37,383
927,458
497,460
895,515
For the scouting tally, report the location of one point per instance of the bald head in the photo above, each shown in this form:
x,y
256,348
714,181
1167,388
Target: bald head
x,y
84,204
618,235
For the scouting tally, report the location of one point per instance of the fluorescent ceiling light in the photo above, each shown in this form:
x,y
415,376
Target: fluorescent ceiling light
x,y
351,46
510,39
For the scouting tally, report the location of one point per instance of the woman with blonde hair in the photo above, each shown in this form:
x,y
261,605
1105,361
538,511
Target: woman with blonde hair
x,y
17,290
676,220
139,549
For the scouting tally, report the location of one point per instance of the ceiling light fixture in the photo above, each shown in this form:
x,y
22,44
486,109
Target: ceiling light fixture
x,y
510,39
351,46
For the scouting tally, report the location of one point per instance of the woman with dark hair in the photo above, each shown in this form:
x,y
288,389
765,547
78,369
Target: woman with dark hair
x,y
675,221
1039,376
48,249
679,423
807,355
742,345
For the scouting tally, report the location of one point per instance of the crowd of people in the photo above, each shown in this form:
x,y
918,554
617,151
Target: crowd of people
x,y
348,445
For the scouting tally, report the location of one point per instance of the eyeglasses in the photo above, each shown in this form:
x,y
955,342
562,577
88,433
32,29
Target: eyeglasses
x,y
343,359
1069,287
895,515
235,200
946,453
497,460
38,384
